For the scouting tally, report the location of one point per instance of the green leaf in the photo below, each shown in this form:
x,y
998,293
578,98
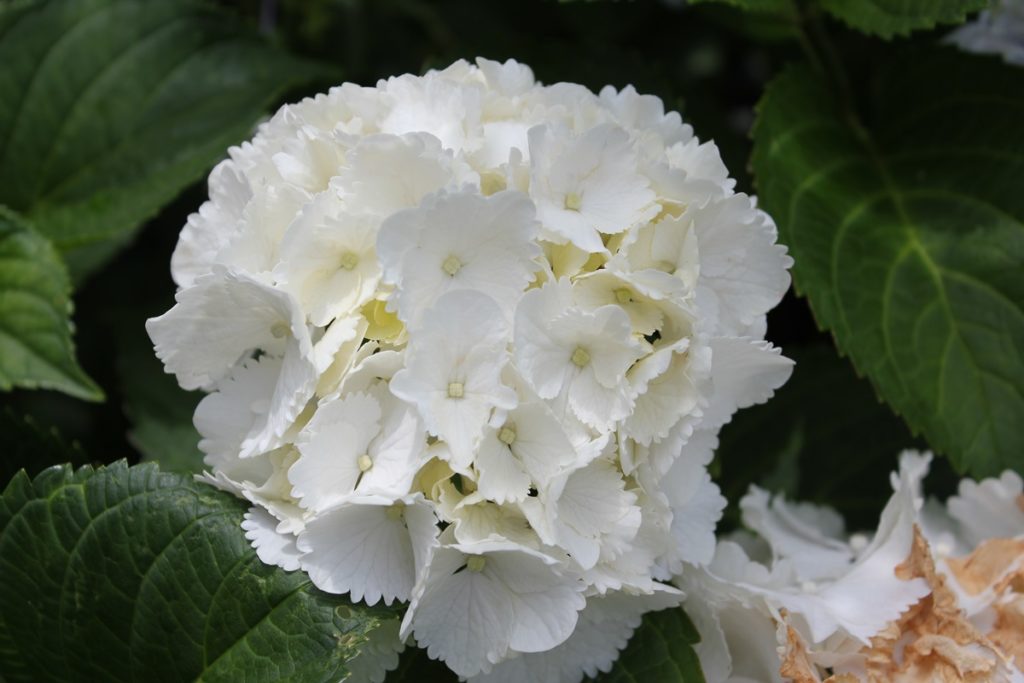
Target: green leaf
x,y
36,351
128,574
823,437
660,650
888,18
782,7
908,238
109,108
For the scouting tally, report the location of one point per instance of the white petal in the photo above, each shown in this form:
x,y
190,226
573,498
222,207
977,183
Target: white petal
x,y
328,258
459,241
592,505
741,266
460,345
870,595
668,386
219,320
386,173
331,446
224,418
745,372
364,547
802,532
991,508
545,605
587,185
696,504
271,546
462,617
210,229
503,477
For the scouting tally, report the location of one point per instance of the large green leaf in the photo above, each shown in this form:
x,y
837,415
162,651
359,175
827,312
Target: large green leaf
x,y
108,108
824,436
660,651
128,574
35,315
885,18
888,18
906,227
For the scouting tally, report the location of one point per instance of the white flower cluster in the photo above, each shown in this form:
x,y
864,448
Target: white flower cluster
x,y
935,594
468,341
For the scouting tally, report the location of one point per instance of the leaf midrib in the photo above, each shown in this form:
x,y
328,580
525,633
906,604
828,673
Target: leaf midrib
x,y
912,233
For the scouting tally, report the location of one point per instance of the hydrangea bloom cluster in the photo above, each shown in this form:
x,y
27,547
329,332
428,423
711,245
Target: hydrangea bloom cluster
x,y
935,594
467,342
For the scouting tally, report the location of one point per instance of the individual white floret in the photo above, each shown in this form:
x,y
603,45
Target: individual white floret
x,y
453,370
587,512
560,348
587,186
372,547
223,319
328,259
605,627
476,602
459,241
386,173
525,451
671,384
367,442
434,104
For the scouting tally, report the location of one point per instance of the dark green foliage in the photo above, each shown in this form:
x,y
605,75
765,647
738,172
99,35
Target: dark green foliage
x,y
35,315
906,230
108,108
824,436
888,18
121,574
660,650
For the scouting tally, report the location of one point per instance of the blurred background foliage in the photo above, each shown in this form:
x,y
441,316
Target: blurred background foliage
x,y
825,437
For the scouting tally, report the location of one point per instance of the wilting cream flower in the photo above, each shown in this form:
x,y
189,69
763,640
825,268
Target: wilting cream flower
x,y
467,342
933,594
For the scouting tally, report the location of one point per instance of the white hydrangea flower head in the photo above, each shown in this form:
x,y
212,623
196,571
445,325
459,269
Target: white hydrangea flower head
x,y
468,341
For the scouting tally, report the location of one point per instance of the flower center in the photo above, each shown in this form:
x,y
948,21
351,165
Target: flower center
x,y
365,463
580,357
455,390
279,330
475,563
507,436
396,511
623,295
451,265
349,260
573,201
